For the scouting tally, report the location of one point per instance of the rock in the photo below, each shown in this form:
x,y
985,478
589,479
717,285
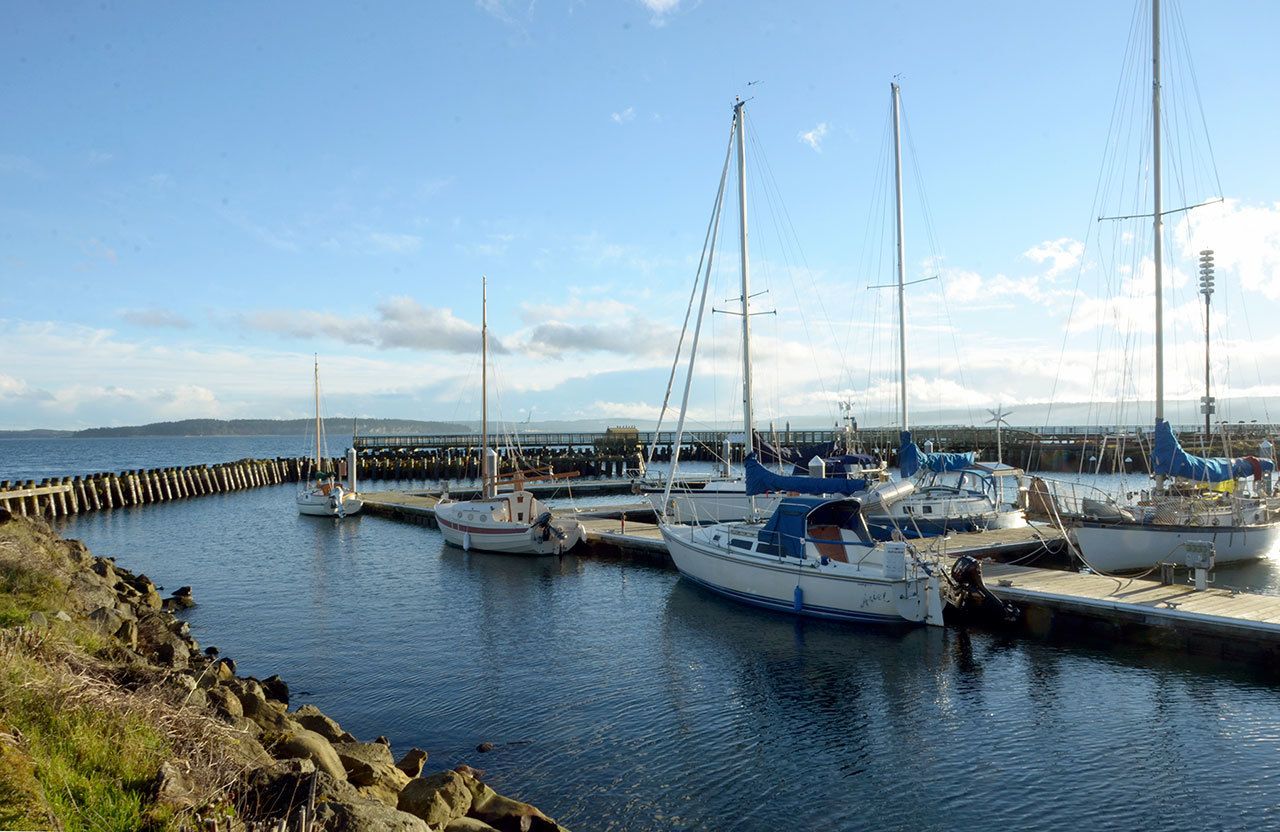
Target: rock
x,y
128,633
484,747
480,792
369,767
365,752
157,640
223,670
468,825
5,516
308,745
106,569
180,600
313,719
411,763
275,688
37,621
174,789
272,790
106,620
380,738
211,651
225,702
507,815
364,815
62,616
437,799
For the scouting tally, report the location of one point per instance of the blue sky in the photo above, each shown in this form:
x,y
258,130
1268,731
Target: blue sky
x,y
195,198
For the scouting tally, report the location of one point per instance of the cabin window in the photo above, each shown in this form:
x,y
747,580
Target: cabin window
x,y
928,509
908,510
741,544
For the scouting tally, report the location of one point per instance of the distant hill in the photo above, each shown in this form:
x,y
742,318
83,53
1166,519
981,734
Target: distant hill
x,y
249,427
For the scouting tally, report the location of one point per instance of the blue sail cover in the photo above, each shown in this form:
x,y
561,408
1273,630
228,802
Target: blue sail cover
x,y
1168,458
912,459
760,480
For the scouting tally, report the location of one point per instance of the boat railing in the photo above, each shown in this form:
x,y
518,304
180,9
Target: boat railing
x,y
1052,500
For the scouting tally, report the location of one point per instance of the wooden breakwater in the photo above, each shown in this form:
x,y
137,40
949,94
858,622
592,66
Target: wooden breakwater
x,y
53,497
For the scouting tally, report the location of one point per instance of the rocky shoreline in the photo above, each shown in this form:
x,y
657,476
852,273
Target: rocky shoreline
x,y
241,759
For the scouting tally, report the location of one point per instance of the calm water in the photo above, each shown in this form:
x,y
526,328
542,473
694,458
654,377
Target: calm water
x,y
622,698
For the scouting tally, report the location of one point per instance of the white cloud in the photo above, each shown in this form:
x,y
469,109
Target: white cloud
x,y
155,318
1061,254
401,323
1245,240
814,137
659,10
623,117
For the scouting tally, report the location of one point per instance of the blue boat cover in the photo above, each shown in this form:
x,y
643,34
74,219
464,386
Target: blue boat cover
x,y
788,525
1168,458
912,459
760,480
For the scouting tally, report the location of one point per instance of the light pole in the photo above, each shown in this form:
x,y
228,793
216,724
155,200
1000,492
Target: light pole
x,y
1207,405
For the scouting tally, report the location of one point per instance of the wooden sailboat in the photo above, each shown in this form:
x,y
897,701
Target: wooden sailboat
x,y
323,495
511,521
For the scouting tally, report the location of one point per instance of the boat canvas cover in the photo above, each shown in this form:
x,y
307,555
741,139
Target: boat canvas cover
x,y
788,526
1168,458
760,480
912,459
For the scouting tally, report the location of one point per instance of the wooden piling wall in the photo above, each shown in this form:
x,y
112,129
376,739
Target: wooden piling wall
x,y
55,497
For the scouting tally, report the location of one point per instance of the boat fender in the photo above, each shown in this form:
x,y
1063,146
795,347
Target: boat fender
x,y
798,603
466,541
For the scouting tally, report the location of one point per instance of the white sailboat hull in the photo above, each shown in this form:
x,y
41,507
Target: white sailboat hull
x,y
835,590
315,503
1129,547
458,525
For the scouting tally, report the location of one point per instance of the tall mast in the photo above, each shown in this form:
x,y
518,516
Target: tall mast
x,y
902,263
317,392
484,387
748,446
1158,217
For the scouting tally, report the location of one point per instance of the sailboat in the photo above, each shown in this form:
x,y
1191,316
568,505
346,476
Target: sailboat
x,y
323,495
814,555
948,492
512,521
1183,506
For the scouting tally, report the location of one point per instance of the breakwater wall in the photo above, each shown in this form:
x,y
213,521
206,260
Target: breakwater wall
x,y
54,497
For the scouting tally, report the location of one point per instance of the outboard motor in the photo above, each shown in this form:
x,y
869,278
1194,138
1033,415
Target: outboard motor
x,y
973,599
543,521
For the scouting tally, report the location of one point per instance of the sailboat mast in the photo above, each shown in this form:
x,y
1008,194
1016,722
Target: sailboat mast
x,y
484,387
747,417
1157,213
902,263
316,387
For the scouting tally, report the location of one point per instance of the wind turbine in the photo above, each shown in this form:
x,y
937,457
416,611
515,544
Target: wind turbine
x,y
997,416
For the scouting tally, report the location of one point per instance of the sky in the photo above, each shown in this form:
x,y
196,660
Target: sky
x,y
195,199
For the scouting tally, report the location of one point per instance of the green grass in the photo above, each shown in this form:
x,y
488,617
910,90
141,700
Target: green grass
x,y
24,591
94,762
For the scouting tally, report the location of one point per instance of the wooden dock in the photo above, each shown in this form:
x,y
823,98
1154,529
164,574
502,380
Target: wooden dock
x,y
1055,603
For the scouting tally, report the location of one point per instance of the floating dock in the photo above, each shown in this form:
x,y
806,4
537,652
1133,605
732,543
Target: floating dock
x,y
1055,603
